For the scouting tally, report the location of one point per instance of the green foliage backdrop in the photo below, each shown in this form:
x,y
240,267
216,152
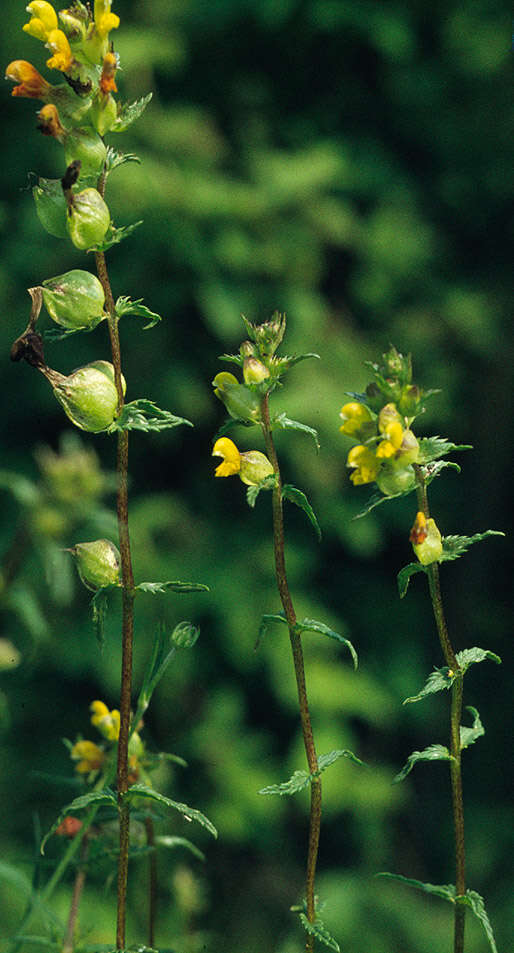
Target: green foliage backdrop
x,y
347,164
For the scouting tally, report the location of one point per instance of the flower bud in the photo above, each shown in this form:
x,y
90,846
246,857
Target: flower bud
x,y
88,395
98,563
254,371
268,336
86,146
410,401
240,402
392,480
426,540
74,300
184,635
88,219
69,826
51,206
254,468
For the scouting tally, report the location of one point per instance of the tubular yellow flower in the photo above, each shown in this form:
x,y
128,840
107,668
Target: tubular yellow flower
x,y
107,722
62,58
31,83
105,21
364,463
88,755
357,420
43,19
226,449
390,426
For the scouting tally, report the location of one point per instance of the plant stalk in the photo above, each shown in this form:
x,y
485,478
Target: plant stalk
x,y
299,668
152,881
80,879
128,594
455,722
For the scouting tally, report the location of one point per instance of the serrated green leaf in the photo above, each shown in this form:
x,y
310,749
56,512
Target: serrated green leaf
x,y
318,930
144,415
432,753
433,448
115,159
403,577
285,423
252,492
468,657
445,891
172,842
455,546
91,799
115,235
468,736
377,499
174,586
437,681
294,495
311,625
125,306
301,779
473,900
136,791
129,113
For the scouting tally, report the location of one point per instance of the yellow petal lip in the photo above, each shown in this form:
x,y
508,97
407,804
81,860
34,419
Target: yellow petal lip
x,y
226,448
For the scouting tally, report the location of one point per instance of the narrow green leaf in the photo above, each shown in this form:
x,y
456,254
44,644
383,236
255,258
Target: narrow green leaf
x,y
125,306
468,736
115,159
284,423
455,546
99,612
301,779
468,657
433,448
175,586
136,791
115,235
265,621
445,891
436,682
97,798
296,496
172,842
144,415
129,113
318,930
377,499
162,653
311,625
473,900
432,753
252,492
403,577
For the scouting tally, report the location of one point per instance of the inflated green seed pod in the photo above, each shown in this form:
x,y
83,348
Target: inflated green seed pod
x,y
74,300
392,480
240,402
87,146
98,563
51,206
88,395
103,113
88,219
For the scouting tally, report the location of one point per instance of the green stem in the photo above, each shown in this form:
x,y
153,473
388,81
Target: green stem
x,y
455,722
128,593
299,668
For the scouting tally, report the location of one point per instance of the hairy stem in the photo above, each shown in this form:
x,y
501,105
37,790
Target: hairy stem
x,y
299,668
127,612
80,879
455,721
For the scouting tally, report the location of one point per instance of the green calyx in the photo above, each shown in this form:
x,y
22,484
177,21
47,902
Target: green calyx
x,y
88,147
103,112
74,300
240,402
88,219
88,395
98,563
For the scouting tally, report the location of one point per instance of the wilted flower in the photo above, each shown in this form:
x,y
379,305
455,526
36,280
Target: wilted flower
x,y
426,539
31,83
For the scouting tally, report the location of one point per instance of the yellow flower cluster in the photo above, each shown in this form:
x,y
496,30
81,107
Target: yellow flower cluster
x,y
386,447
90,757
107,722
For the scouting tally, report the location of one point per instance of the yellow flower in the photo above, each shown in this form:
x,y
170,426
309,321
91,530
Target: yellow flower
x,y
49,123
31,83
107,722
57,43
390,426
364,463
357,420
43,19
88,755
426,539
105,21
109,67
252,466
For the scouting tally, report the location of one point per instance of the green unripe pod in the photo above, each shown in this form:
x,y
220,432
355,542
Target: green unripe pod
x,y
74,300
98,563
103,113
392,480
86,146
88,395
88,219
254,371
51,206
240,402
255,467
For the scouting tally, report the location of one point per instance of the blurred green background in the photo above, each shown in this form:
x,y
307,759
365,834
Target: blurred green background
x,y
347,164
